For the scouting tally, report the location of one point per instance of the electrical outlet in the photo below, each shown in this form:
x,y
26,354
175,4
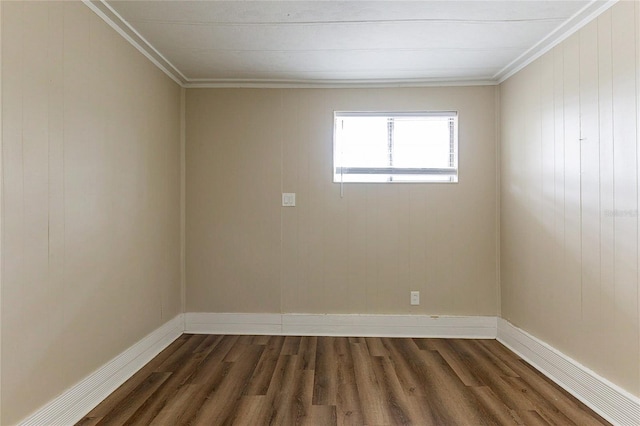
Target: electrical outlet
x,y
415,297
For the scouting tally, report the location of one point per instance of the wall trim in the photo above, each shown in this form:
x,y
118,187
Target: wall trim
x,y
333,84
571,26
126,30
77,401
592,10
477,327
605,398
183,199
122,27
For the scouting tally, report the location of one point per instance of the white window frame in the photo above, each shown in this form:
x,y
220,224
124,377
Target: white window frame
x,y
430,175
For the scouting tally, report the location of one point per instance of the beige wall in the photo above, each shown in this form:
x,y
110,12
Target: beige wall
x,y
359,254
570,197
91,190
90,250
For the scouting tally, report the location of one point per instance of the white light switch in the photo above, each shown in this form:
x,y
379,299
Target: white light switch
x,y
288,199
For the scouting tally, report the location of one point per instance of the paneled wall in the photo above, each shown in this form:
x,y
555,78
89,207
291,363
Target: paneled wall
x,y
362,253
569,196
91,206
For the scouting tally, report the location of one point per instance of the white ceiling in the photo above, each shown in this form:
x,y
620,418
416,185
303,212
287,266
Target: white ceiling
x,y
338,42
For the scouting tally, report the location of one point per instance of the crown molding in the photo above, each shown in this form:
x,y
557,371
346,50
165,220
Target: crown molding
x,y
122,27
572,25
569,27
333,84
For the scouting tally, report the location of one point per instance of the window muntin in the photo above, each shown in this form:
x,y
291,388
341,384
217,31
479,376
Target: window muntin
x,y
395,146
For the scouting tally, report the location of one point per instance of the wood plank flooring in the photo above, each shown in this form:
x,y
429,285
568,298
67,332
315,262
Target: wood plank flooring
x,y
278,380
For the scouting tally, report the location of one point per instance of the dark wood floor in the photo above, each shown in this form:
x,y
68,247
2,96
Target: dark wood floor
x,y
276,380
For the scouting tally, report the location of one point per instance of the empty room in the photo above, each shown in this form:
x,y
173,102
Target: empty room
x,y
319,212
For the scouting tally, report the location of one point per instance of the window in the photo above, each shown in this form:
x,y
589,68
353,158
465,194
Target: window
x,y
395,147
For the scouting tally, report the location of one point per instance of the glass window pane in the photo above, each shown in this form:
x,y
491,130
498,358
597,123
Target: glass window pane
x,y
363,142
421,143
395,147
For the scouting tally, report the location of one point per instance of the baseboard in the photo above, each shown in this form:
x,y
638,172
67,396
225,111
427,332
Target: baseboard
x,y
76,402
610,401
605,398
476,327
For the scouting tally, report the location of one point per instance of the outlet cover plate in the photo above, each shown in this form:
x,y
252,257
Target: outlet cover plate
x,y
288,199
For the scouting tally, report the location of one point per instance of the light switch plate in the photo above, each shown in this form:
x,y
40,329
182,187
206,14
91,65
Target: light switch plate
x,y
288,199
